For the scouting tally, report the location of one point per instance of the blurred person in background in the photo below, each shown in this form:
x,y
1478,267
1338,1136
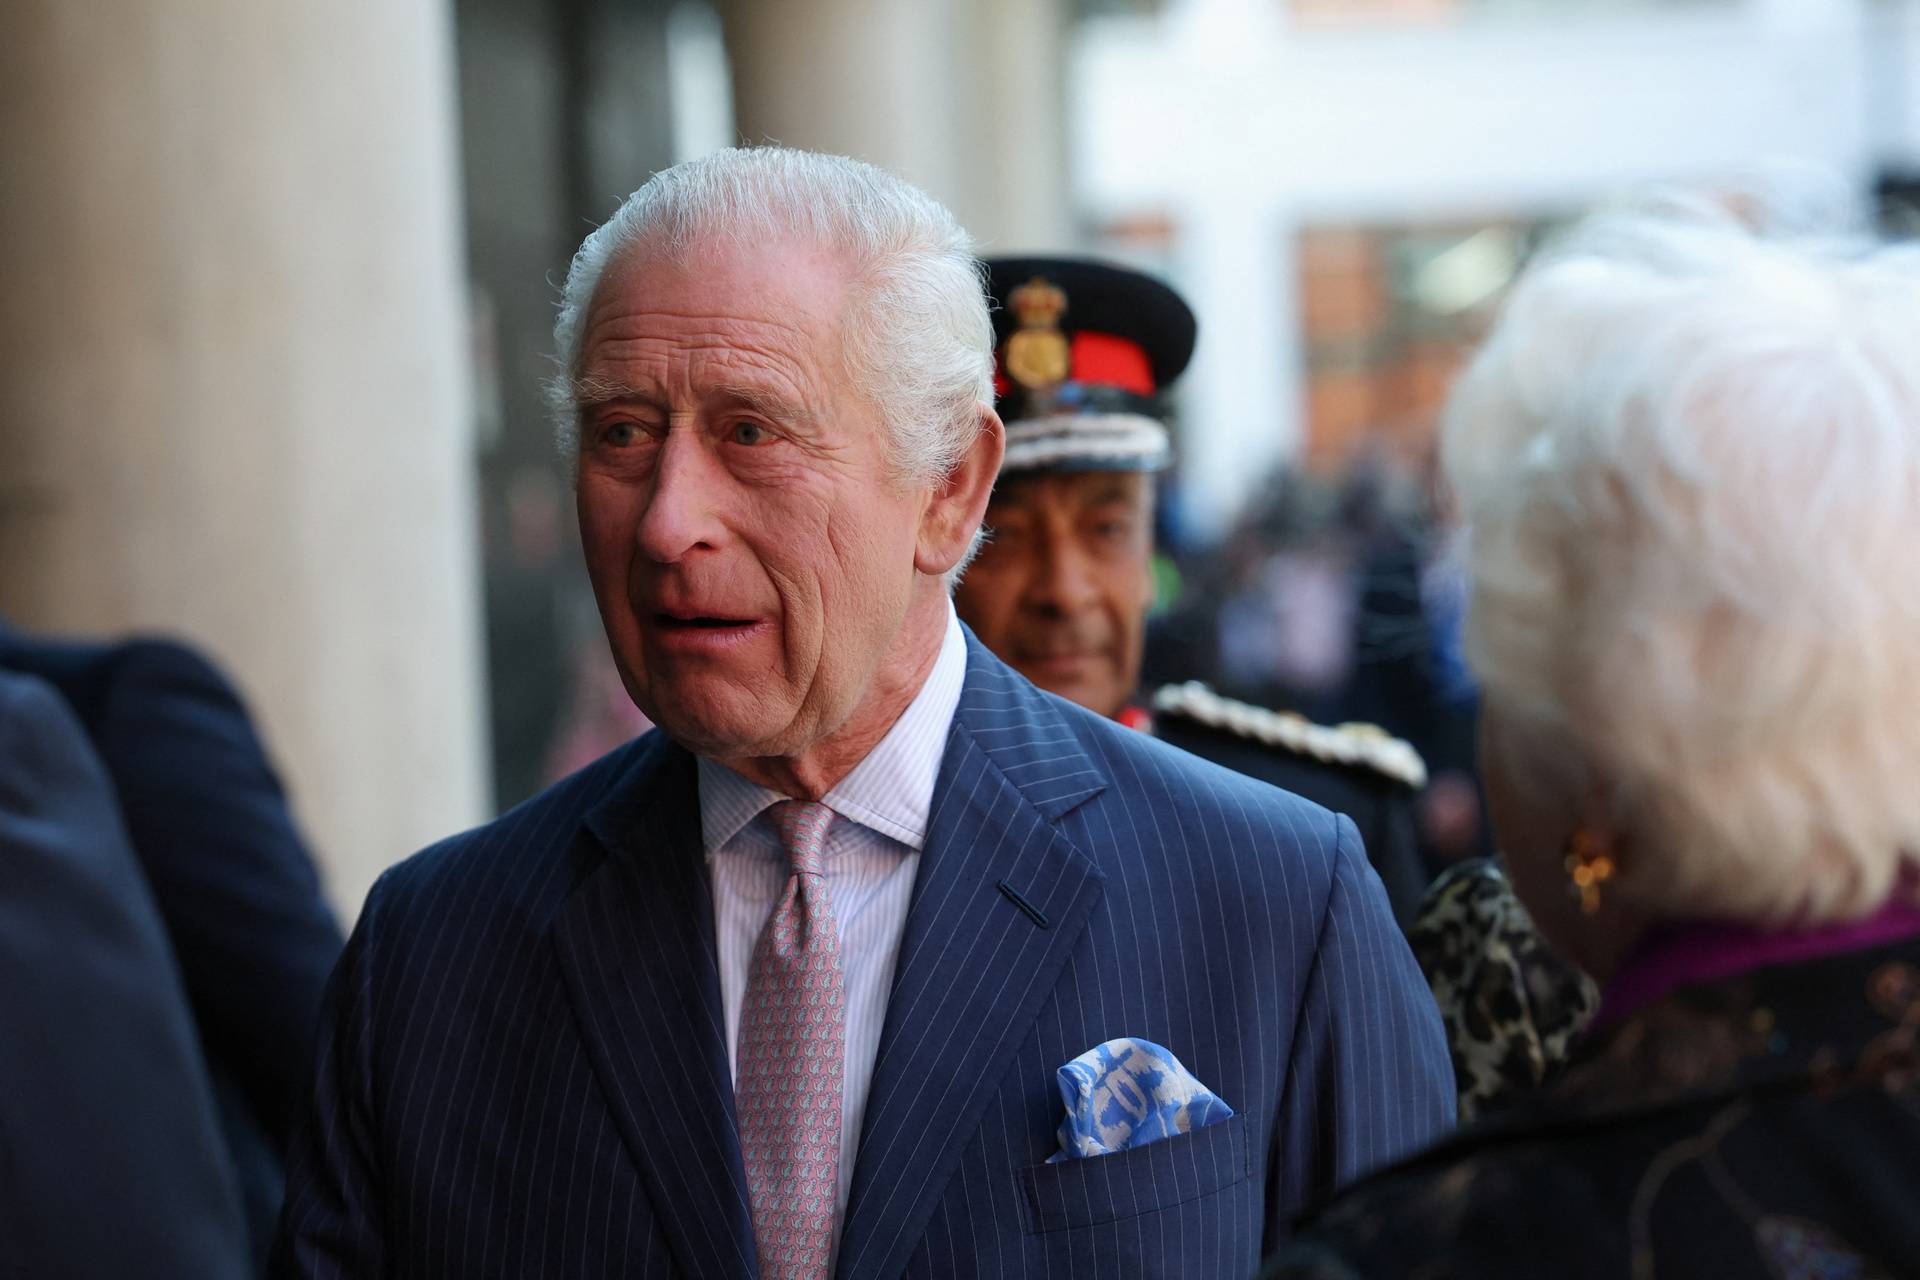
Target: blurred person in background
x,y
1689,459
1406,672
1392,680
1286,610
111,1164
1085,351
1453,811
599,715
527,592
831,973
227,868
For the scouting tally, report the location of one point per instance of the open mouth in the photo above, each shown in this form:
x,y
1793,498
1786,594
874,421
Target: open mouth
x,y
703,622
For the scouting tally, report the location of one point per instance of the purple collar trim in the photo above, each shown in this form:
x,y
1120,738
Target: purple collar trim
x,y
1687,954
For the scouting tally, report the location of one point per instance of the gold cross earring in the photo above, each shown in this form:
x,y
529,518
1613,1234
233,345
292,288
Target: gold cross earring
x,y
1589,863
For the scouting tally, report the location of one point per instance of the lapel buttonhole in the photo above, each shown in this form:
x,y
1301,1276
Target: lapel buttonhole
x,y
1033,913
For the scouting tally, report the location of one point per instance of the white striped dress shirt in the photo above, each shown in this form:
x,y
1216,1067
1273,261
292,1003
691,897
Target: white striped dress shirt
x,y
872,854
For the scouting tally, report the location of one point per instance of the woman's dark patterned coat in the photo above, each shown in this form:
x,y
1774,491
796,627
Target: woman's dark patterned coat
x,y
1765,1126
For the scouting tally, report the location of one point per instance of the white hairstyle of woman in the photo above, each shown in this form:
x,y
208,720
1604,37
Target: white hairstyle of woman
x,y
1689,458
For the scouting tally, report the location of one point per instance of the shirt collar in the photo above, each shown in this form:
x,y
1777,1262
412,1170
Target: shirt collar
x,y
890,791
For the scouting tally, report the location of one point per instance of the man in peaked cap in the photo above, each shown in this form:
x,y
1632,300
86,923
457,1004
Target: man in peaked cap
x,y
1084,352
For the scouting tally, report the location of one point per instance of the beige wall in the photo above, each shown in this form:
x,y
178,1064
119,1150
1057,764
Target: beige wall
x,y
234,381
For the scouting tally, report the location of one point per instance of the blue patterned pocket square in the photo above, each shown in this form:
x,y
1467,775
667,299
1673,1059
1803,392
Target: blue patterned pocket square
x,y
1126,1093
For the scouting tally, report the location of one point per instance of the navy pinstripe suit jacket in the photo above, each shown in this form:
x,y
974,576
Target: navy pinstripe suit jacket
x,y
522,1072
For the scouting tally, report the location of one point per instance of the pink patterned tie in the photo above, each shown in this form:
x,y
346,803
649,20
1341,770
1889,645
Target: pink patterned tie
x,y
788,1093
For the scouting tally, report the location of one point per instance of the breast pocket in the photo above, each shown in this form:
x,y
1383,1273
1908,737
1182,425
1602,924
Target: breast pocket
x,y
1092,1190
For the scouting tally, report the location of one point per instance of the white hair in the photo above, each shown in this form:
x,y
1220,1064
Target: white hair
x,y
917,339
1689,457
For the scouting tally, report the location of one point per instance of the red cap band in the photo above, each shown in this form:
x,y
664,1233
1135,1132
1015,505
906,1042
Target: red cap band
x,y
1100,360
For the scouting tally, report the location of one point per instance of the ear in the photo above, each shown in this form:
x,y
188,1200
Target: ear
x,y
959,502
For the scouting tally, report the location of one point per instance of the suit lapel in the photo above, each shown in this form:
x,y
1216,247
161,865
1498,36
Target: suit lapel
x,y
976,963
635,941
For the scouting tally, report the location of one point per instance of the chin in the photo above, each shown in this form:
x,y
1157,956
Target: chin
x,y
730,727
1096,697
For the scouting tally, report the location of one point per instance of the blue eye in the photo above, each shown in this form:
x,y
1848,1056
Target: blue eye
x,y
617,433
749,433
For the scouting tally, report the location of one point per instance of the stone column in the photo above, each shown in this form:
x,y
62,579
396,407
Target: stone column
x,y
964,98
1012,123
234,379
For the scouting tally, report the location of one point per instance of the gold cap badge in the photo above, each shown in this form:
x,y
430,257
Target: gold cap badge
x,y
1037,356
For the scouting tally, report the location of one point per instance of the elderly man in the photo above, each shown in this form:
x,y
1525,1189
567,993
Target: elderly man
x,y
1085,350
800,984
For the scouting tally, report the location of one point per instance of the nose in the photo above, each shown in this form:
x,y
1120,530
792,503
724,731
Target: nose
x,y
1063,581
682,506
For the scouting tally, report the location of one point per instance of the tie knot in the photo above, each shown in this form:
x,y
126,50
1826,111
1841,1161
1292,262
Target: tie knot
x,y
802,825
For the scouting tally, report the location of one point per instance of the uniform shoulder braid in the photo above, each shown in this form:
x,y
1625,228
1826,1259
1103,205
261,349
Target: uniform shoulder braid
x,y
1361,746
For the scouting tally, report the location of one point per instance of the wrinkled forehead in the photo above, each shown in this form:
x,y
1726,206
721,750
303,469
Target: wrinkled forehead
x,y
789,291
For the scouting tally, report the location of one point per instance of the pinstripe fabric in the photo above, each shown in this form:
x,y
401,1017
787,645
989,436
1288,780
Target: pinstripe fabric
x,y
524,1070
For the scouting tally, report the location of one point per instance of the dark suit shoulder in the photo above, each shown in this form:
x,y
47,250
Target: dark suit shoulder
x,y
83,667
444,933
163,656
1245,821
26,700
1357,770
113,686
513,858
145,663
1175,771
80,670
149,690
